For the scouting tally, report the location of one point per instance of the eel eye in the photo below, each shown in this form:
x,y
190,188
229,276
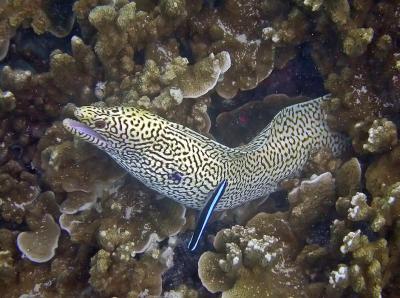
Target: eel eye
x,y
100,124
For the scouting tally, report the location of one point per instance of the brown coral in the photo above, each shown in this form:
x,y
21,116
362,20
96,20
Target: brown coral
x,y
254,260
255,46
111,276
40,244
131,218
41,15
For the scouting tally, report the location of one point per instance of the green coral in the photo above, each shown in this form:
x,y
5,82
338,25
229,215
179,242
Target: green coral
x,y
357,40
365,272
382,211
382,136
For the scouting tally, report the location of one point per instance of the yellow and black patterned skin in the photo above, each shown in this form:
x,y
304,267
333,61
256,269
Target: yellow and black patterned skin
x,y
185,166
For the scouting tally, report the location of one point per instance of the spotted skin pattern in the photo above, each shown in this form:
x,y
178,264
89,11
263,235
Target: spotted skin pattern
x,y
185,166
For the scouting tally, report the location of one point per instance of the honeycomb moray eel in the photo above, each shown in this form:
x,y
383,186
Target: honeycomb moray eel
x,y
186,166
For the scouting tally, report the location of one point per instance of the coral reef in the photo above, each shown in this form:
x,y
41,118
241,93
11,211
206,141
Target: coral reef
x,y
260,258
254,260
363,77
112,276
18,189
256,46
130,219
42,16
211,66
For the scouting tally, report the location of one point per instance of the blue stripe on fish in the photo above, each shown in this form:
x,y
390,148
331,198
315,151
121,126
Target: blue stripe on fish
x,y
205,214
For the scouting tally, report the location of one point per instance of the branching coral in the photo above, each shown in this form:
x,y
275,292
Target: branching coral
x,y
383,211
368,263
382,136
366,83
367,269
254,260
383,172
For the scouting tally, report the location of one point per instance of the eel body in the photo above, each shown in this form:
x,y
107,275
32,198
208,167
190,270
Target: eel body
x,y
186,166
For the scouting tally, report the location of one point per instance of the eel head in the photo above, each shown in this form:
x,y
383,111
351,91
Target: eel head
x,y
91,126
112,129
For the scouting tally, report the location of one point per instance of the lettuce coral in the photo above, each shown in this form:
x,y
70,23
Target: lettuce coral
x,y
40,244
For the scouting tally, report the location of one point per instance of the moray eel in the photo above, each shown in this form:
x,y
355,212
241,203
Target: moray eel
x,y
186,166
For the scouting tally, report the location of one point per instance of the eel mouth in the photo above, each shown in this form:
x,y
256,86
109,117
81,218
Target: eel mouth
x,y
85,132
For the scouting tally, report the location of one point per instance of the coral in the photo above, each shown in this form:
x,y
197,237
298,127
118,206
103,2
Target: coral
x,y
64,275
7,256
77,169
183,81
310,202
6,33
18,189
255,46
321,162
74,74
37,13
40,244
382,136
71,78
367,268
112,276
357,40
382,211
182,292
254,260
131,219
122,28
383,172
169,56
363,77
348,178
7,102
365,271
41,15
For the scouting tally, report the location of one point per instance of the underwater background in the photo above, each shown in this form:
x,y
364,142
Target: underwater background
x,y
74,224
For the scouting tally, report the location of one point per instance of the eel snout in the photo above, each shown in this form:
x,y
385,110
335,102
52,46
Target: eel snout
x,y
84,132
